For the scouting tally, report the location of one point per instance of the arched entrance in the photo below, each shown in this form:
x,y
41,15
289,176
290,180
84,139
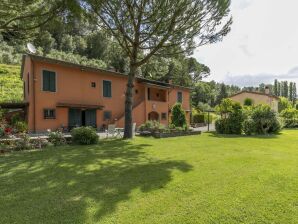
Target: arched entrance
x,y
153,116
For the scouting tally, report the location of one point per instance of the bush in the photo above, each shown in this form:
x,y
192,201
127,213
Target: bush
x,y
40,143
198,118
178,116
84,135
20,126
283,104
151,126
248,102
248,127
231,118
57,138
220,126
202,118
290,117
23,143
265,120
2,132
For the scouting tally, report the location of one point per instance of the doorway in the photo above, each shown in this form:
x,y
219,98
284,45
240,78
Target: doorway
x,y
81,117
153,116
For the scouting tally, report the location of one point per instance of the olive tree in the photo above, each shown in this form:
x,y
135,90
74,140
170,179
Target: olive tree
x,y
146,28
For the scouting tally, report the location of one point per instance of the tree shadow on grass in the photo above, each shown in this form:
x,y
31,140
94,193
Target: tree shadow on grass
x,y
78,184
270,136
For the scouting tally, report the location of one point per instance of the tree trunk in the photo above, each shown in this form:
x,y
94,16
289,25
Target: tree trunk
x,y
128,133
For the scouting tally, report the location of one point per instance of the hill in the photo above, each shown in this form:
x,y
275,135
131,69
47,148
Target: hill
x,y
11,85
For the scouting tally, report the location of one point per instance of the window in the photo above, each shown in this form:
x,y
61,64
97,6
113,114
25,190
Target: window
x,y
49,114
157,95
179,97
136,91
107,115
93,84
107,88
163,116
49,81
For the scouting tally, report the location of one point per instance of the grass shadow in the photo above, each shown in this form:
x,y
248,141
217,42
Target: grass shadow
x,y
270,136
73,184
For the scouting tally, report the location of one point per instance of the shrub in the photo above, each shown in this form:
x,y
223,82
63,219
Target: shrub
x,y
249,127
198,118
23,143
178,116
40,143
248,102
231,118
202,118
15,118
56,138
20,126
220,126
283,104
265,120
84,135
290,117
2,133
151,126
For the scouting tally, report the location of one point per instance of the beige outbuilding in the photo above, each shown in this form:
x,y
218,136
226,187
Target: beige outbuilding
x,y
257,98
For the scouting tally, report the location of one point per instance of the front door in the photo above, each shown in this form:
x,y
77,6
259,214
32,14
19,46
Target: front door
x,y
90,118
74,118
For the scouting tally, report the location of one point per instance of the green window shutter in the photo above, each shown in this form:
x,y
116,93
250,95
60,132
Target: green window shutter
x,y
49,81
45,81
52,82
107,88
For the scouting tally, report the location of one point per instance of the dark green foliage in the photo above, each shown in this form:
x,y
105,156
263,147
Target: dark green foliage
x,y
84,135
57,138
231,119
202,118
178,116
198,118
248,102
265,120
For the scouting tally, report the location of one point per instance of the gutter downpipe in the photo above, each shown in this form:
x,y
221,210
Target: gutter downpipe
x,y
34,107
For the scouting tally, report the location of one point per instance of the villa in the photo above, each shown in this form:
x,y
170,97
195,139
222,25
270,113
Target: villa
x,y
59,94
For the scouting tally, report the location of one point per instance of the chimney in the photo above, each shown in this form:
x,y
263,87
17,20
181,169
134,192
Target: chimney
x,y
170,81
267,90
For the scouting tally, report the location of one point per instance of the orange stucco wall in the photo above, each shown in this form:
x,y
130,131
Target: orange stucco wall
x,y
73,86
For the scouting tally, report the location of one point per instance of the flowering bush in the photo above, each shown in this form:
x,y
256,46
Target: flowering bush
x,y
57,138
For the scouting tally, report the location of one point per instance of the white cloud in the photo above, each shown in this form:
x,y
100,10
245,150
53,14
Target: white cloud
x,y
263,40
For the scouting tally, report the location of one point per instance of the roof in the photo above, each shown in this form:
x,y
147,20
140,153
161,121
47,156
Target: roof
x,y
13,105
82,106
94,69
258,93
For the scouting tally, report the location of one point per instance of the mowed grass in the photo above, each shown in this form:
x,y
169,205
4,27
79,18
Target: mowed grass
x,y
196,179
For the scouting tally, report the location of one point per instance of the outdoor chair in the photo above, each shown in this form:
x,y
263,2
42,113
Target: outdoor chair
x,y
111,130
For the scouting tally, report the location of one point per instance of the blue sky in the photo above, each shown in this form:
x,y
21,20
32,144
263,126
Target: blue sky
x,y
262,45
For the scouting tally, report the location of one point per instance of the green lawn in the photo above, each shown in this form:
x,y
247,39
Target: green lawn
x,y
196,179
